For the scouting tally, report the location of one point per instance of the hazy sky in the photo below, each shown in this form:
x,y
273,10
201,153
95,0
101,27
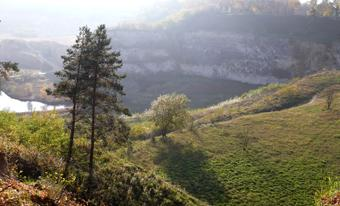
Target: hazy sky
x,y
58,18
76,6
61,18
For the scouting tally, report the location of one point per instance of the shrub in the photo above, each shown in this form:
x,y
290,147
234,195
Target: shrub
x,y
44,131
130,185
169,112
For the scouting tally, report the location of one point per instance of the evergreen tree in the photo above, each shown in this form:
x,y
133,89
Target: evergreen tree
x,y
71,85
102,99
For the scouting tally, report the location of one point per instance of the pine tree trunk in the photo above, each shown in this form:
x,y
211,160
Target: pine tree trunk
x,y
73,125
93,124
70,146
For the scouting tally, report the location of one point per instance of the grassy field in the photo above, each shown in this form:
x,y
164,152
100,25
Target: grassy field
x,y
277,149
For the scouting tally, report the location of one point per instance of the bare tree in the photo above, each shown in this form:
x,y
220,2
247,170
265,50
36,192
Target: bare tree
x,y
330,93
245,139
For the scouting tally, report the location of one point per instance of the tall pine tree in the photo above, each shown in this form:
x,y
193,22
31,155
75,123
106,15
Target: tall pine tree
x,y
71,83
103,96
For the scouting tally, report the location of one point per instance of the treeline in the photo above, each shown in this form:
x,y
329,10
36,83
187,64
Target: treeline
x,y
280,7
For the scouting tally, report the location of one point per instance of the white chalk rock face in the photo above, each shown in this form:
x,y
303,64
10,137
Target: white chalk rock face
x,y
251,57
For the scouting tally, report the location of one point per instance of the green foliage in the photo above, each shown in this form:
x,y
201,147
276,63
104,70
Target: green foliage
x,y
90,80
9,125
272,98
57,178
100,102
34,158
27,163
169,112
130,185
71,84
43,131
329,194
142,129
118,182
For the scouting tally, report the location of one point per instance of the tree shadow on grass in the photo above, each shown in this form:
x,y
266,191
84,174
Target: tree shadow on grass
x,y
187,167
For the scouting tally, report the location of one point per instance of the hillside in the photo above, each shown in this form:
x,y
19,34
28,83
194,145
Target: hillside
x,y
276,145
40,55
272,146
34,146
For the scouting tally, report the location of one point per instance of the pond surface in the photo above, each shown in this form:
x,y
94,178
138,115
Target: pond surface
x,y
14,105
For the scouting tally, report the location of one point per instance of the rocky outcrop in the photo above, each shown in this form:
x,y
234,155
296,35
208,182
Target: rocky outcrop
x,y
227,55
251,49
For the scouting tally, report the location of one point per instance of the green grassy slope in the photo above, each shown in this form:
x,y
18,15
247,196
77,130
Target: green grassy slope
x,y
34,146
255,157
273,97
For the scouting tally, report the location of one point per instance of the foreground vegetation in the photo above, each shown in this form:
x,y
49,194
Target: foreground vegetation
x,y
329,194
34,146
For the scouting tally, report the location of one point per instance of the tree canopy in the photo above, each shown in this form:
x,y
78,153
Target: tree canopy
x,y
91,81
169,112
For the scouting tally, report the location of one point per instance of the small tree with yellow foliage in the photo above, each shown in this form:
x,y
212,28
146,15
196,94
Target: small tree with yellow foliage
x,y
169,112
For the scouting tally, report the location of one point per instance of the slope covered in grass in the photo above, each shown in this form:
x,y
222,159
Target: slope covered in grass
x,y
34,146
273,97
276,149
